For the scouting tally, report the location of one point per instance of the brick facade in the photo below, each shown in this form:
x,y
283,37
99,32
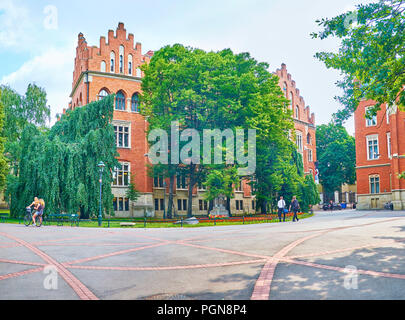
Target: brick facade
x,y
304,120
379,154
106,68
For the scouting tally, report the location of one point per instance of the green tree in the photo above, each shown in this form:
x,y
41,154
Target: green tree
x,y
3,162
60,166
215,90
336,153
19,112
371,57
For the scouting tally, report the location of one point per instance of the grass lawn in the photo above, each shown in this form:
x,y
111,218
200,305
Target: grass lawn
x,y
160,223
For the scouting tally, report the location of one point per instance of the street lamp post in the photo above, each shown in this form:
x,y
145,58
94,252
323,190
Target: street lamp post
x,y
100,166
164,199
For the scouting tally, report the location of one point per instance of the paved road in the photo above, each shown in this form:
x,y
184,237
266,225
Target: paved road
x,y
340,255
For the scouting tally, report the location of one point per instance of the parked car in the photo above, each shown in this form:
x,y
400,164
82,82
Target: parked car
x,y
332,206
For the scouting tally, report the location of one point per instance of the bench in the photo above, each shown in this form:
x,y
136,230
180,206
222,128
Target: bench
x,y
3,217
60,218
127,224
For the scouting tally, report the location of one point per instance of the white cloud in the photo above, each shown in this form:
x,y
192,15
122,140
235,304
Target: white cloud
x,y
16,25
52,70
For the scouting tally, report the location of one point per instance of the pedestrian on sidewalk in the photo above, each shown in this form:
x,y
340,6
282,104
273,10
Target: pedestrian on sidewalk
x,y
281,208
295,206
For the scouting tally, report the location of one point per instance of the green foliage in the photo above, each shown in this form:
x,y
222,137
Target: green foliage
x,y
219,90
371,57
221,182
60,166
3,162
308,194
336,153
132,193
19,112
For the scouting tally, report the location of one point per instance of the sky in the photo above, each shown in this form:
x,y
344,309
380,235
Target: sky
x,y
38,39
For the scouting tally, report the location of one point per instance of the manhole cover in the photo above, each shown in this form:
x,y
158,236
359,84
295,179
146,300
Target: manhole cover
x,y
168,296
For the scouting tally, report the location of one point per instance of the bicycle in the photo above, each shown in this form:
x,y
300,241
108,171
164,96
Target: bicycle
x,y
28,218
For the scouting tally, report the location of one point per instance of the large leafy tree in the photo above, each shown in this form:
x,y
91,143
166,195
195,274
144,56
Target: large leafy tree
x,y
3,162
60,166
19,112
371,57
218,90
336,153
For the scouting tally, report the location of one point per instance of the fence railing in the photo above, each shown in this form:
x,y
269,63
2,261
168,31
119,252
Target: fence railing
x,y
153,222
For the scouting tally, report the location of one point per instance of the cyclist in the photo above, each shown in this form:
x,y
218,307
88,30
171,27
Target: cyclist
x,y
34,203
39,211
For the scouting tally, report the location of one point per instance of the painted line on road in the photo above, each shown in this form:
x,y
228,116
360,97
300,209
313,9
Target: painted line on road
x,y
197,266
21,273
81,290
340,269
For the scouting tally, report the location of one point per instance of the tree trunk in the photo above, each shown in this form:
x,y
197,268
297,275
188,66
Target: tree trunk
x,y
170,204
191,185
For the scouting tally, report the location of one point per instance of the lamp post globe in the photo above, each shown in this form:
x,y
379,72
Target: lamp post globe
x,y
100,166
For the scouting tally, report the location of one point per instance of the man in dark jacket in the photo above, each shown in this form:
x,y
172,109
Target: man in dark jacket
x,y
295,206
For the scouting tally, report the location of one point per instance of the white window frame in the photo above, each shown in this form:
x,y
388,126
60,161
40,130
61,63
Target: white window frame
x,y
103,66
112,61
374,176
373,137
117,172
371,122
298,141
116,132
130,65
310,158
389,145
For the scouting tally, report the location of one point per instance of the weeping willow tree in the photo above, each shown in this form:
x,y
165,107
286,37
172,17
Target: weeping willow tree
x,y
60,165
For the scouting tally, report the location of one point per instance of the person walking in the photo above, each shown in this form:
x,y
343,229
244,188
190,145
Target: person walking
x,y
281,208
295,206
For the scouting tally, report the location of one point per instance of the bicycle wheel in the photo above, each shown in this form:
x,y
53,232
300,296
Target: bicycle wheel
x,y
39,221
27,220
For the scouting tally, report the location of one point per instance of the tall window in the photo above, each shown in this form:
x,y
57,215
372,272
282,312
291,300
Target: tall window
x,y
372,121
203,205
135,103
158,182
130,64
102,94
238,186
309,155
375,184
121,204
299,141
112,61
309,139
297,112
182,204
138,72
121,136
120,101
121,59
102,66
201,186
181,182
389,144
291,99
121,175
372,147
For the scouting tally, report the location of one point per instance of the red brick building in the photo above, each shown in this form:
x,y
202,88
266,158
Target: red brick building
x,y
304,120
113,67
379,157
